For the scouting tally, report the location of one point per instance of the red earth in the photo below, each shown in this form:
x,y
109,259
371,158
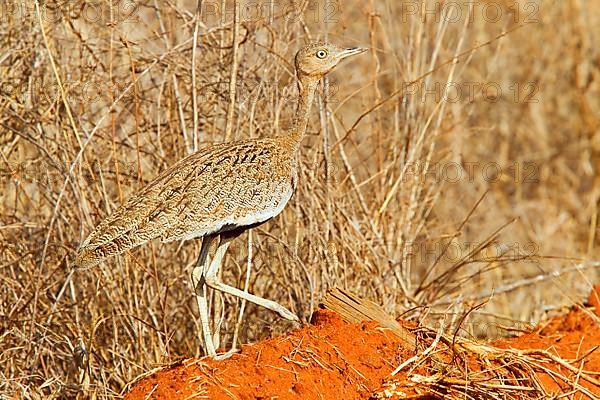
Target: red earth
x,y
332,359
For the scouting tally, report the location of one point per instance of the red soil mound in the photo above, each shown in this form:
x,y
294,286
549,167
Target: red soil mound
x,y
570,337
325,360
331,359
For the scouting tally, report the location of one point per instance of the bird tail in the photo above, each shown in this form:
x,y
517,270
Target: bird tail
x,y
86,259
90,254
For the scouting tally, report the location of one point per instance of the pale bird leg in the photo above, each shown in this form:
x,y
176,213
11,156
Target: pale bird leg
x,y
227,354
213,282
199,285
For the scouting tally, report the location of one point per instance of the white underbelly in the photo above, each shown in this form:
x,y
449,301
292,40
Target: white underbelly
x,y
268,211
243,216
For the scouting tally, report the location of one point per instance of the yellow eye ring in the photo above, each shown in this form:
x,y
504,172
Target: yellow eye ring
x,y
321,54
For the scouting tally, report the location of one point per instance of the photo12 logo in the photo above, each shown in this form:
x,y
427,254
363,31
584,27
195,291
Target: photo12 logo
x,y
214,12
519,172
94,12
247,91
457,11
455,251
454,92
86,91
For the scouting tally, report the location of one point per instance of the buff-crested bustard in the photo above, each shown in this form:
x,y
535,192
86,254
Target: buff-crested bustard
x,y
219,191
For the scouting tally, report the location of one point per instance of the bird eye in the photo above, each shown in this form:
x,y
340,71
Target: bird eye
x,y
321,54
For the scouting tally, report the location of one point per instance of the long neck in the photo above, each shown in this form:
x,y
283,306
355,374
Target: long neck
x,y
307,86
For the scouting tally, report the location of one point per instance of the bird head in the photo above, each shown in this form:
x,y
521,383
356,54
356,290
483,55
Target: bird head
x,y
317,59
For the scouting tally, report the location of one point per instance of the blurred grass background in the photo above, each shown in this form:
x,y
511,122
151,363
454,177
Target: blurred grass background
x,y
454,164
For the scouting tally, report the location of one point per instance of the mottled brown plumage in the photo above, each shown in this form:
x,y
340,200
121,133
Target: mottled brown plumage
x,y
216,189
218,192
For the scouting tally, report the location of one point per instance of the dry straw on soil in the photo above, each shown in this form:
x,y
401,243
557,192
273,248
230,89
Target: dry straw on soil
x,y
98,97
363,353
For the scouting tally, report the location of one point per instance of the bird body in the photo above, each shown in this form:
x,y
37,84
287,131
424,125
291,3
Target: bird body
x,y
223,187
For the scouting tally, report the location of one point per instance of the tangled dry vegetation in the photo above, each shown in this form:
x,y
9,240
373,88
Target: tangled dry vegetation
x,y
455,165
355,350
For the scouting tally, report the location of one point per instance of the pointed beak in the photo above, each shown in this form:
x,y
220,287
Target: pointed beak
x,y
353,51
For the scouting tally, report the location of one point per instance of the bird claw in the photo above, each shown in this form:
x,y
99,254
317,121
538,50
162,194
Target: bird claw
x,y
226,355
287,314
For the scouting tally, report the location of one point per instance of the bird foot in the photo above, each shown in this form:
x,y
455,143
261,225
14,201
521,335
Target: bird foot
x,y
287,314
226,355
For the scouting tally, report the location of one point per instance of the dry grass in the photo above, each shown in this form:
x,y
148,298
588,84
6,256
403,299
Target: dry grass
x,y
477,371
92,110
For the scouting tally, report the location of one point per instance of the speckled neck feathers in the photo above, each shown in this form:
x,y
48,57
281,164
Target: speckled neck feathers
x,y
306,86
